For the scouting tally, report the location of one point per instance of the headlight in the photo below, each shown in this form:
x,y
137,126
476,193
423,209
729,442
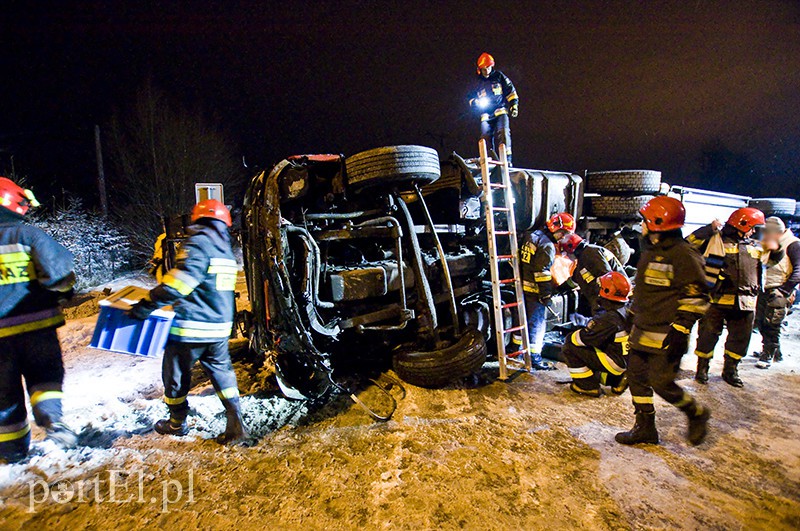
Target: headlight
x,y
482,102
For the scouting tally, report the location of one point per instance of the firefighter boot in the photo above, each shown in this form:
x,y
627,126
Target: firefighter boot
x,y
730,372
61,435
643,431
765,360
702,370
235,431
778,356
619,384
698,422
176,423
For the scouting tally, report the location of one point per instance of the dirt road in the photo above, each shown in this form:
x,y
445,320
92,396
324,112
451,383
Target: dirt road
x,y
524,454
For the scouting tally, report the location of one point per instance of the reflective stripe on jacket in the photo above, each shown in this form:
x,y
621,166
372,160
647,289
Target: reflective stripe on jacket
x,y
536,255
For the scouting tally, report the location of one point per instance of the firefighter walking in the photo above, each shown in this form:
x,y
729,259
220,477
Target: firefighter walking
x,y
733,270
591,263
781,277
670,296
537,252
35,274
494,98
201,288
597,354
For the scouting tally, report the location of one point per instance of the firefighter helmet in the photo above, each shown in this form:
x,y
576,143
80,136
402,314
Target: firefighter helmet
x,y
570,242
485,60
561,221
663,214
615,286
16,198
212,209
746,219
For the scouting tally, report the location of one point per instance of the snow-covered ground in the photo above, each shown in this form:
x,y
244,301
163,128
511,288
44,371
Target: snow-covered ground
x,y
524,454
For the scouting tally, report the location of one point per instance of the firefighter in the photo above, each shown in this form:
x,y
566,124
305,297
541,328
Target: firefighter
x,y
733,272
201,288
494,97
537,253
781,277
670,296
597,354
36,273
591,263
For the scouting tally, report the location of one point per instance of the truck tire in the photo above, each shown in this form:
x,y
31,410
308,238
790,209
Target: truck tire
x,y
775,206
624,182
394,166
438,368
618,207
797,211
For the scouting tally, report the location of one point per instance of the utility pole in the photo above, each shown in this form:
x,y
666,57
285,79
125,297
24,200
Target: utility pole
x,y
101,175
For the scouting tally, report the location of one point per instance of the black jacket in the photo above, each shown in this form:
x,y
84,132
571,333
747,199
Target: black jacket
x,y
537,252
607,333
200,287
593,262
35,272
499,92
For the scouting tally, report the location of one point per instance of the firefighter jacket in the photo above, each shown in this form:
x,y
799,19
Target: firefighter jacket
x,y
35,272
499,94
200,286
607,333
733,266
782,267
593,262
670,291
536,255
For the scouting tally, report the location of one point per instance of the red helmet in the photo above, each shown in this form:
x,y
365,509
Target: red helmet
x,y
615,286
16,198
746,218
663,213
561,221
211,208
570,242
485,60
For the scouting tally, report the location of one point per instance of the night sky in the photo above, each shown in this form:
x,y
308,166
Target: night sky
x,y
603,85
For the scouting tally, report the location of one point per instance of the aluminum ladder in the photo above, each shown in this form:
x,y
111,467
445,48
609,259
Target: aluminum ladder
x,y
510,360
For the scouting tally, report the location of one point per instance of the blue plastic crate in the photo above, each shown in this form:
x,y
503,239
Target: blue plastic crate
x,y
117,332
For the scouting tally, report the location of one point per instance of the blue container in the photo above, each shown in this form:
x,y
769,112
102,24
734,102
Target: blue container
x,y
117,332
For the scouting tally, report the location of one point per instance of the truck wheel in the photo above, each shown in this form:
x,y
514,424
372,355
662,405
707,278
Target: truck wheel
x,y
775,206
394,166
437,368
797,211
618,207
627,182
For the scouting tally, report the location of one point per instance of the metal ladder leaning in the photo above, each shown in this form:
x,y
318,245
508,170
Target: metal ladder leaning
x,y
495,259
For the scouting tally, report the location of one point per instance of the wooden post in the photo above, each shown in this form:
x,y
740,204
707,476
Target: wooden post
x,y
101,175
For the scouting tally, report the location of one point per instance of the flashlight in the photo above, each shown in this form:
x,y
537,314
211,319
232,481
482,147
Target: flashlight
x,y
482,102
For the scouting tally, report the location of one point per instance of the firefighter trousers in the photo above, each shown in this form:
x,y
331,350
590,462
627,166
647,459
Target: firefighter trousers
x,y
770,314
497,131
36,358
740,328
588,370
536,313
176,372
649,372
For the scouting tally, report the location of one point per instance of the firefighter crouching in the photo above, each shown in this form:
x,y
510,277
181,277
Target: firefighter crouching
x,y
494,97
733,271
670,295
591,263
781,276
597,354
201,288
537,252
35,273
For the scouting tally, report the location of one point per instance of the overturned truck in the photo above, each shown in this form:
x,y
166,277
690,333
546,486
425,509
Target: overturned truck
x,y
379,258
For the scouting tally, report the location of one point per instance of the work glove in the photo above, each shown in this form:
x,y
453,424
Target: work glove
x,y
676,343
141,310
514,110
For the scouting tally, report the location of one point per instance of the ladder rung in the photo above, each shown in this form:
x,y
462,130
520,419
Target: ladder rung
x,y
502,232
507,281
497,185
501,209
514,329
495,162
505,257
515,354
510,305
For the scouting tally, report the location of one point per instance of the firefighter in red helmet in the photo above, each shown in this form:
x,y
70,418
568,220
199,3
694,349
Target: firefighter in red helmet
x,y
591,263
36,273
494,98
734,275
597,354
670,296
201,288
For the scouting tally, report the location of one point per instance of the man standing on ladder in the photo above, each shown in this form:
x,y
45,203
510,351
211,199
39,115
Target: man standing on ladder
x,y
536,255
494,97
